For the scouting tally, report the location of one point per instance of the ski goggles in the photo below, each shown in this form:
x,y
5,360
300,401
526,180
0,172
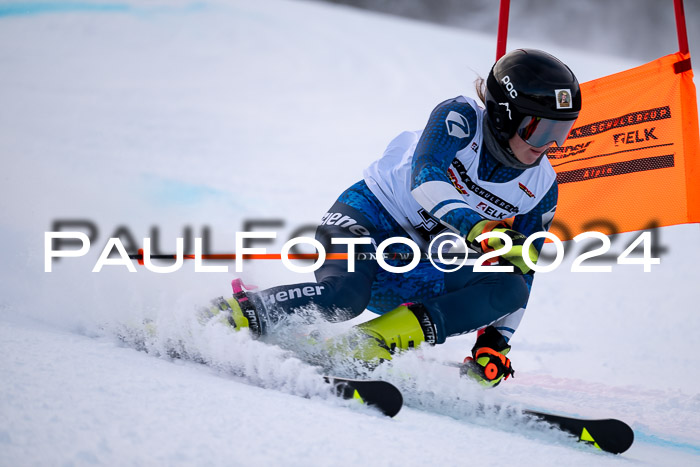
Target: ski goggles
x,y
538,132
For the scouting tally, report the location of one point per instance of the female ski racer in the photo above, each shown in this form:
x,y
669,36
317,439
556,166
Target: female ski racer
x,y
470,171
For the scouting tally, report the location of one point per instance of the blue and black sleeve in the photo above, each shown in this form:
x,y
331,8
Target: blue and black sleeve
x,y
451,128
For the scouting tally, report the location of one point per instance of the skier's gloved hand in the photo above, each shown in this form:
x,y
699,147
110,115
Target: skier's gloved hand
x,y
513,257
488,364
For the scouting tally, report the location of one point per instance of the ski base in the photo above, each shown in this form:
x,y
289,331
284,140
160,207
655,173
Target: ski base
x,y
609,435
381,395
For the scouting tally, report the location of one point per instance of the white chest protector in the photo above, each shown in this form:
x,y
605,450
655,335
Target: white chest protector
x,y
390,179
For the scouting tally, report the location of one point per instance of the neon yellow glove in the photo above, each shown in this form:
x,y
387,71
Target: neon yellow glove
x,y
512,257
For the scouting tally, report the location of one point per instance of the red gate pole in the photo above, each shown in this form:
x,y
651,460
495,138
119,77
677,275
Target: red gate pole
x,y
503,28
680,26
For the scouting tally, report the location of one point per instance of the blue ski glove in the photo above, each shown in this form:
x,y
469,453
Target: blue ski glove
x,y
488,364
513,257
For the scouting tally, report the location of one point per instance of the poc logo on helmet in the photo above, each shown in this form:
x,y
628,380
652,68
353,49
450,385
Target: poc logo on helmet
x,y
509,87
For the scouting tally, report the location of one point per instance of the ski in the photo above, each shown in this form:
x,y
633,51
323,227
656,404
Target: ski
x,y
378,394
381,395
609,434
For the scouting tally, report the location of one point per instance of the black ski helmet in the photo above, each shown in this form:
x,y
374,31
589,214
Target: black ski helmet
x,y
531,83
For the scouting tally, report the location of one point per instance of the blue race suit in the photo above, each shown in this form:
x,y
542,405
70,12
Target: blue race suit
x,y
429,182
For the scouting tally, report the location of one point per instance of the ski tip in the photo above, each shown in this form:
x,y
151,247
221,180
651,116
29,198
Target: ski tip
x,y
615,437
378,394
609,435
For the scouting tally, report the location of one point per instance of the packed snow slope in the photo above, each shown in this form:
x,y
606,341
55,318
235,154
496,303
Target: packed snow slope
x,y
169,119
